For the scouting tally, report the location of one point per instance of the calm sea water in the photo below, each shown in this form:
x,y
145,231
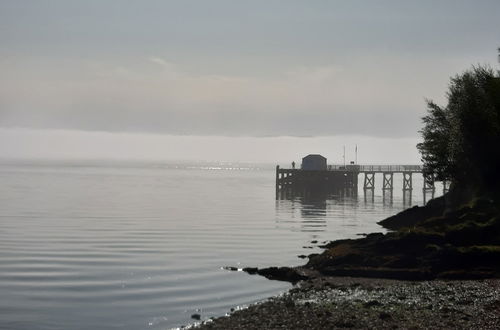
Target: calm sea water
x,y
142,246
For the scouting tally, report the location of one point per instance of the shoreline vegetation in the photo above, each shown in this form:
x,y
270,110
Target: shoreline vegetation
x,y
439,266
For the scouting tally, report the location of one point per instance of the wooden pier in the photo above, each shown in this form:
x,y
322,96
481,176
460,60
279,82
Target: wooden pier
x,y
344,179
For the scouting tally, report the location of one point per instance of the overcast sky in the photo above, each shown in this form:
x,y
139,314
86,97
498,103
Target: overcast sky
x,y
236,68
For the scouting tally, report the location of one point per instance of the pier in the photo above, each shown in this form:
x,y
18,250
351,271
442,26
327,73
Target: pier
x,y
343,179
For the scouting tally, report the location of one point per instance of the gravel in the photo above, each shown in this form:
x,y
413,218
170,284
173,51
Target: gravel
x,y
362,303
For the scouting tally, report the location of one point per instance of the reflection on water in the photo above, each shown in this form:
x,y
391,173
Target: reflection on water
x,y
321,211
314,207
387,197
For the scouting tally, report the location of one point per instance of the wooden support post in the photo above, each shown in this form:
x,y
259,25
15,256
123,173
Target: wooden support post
x,y
407,182
277,181
369,184
429,186
388,180
387,187
355,184
429,183
407,187
369,181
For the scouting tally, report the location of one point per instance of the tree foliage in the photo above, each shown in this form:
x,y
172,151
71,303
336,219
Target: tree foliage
x,y
461,142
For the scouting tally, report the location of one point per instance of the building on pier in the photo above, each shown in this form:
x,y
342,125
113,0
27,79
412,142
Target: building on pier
x,y
314,162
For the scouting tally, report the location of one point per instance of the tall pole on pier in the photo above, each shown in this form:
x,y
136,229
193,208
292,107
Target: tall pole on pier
x,y
356,155
344,156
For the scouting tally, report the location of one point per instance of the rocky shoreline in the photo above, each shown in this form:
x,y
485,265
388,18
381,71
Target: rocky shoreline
x,y
438,269
459,244
361,303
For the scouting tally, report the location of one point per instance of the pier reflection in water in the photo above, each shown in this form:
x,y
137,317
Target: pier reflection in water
x,y
310,211
327,214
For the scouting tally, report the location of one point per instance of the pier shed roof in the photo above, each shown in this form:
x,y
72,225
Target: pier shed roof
x,y
314,162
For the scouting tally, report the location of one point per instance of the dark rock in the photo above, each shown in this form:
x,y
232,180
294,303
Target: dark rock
x,y
302,256
251,270
196,316
282,274
233,269
410,217
374,235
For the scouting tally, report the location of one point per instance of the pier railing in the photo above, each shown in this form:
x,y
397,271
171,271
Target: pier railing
x,y
377,168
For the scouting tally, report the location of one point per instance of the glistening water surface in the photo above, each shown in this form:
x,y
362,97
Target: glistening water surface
x,y
141,246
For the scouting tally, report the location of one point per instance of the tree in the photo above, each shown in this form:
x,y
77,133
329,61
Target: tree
x,y
461,142
435,145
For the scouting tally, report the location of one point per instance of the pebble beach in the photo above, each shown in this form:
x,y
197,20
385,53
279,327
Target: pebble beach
x,y
363,303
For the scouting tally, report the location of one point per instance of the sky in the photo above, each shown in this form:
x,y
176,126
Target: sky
x,y
210,80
